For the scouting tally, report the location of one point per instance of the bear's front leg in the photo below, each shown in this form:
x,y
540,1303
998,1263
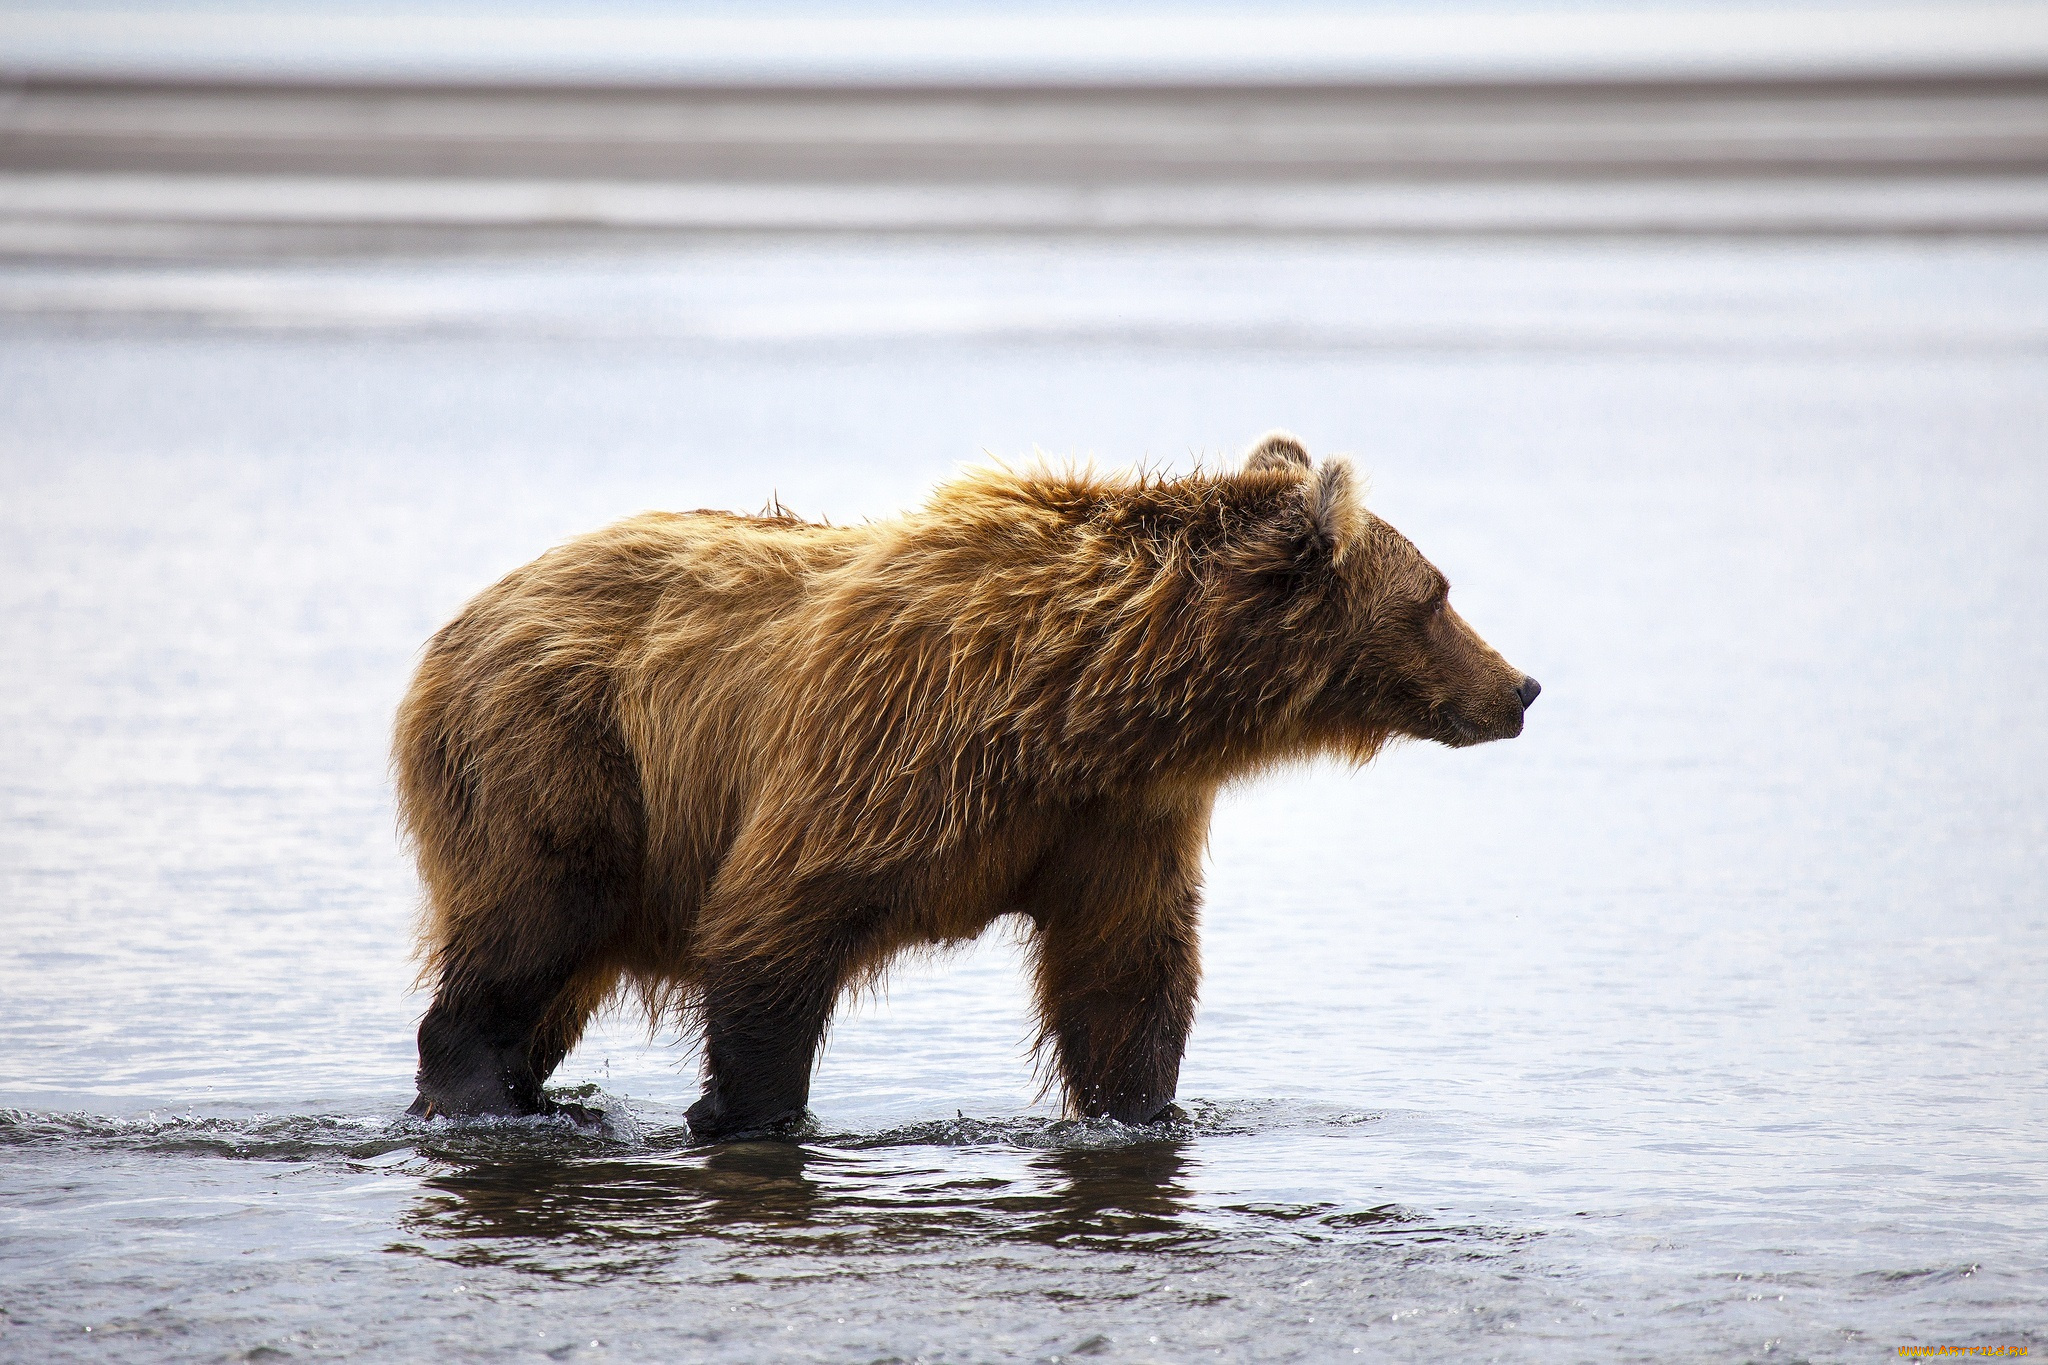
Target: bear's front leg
x,y
1117,1011
1119,957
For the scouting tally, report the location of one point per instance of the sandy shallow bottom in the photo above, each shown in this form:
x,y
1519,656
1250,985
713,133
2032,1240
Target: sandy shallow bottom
x,y
1704,1021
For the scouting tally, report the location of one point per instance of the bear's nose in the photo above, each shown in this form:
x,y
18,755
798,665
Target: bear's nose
x,y
1528,692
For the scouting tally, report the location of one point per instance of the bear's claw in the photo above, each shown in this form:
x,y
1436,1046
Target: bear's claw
x,y
582,1115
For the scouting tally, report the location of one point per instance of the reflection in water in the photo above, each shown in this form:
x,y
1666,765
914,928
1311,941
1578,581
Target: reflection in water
x,y
1131,1196
567,1213
612,1214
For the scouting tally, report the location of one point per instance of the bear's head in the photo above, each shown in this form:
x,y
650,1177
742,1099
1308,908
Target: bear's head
x,y
1401,659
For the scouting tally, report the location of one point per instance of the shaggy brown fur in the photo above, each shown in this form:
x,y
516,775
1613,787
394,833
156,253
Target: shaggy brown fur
x,y
738,763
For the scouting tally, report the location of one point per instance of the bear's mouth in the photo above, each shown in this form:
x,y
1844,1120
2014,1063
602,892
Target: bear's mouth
x,y
1460,733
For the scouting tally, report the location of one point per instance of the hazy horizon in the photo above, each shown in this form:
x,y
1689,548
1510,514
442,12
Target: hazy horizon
x,y
1388,39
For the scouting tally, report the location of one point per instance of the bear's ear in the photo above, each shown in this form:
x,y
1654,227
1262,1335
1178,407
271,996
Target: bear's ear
x,y
1277,450
1333,508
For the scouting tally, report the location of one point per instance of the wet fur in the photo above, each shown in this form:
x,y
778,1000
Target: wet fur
x,y
738,764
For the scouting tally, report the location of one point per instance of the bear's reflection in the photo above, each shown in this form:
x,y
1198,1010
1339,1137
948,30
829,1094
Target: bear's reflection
x,y
1129,1196
553,1198
557,1210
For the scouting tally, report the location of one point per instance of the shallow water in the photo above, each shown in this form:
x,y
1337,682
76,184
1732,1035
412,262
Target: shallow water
x,y
1704,1021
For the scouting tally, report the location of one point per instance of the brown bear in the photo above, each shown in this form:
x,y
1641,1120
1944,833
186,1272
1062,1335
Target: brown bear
x,y
738,763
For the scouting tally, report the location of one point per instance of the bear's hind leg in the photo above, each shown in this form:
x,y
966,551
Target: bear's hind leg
x,y
761,1035
507,1010
483,1049
765,1012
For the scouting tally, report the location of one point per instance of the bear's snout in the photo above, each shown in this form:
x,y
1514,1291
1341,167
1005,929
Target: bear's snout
x,y
1529,691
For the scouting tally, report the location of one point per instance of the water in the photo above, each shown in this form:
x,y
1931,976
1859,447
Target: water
x,y
1704,1021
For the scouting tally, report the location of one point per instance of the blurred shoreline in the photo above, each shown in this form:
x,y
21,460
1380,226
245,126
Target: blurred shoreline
x,y
1882,122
